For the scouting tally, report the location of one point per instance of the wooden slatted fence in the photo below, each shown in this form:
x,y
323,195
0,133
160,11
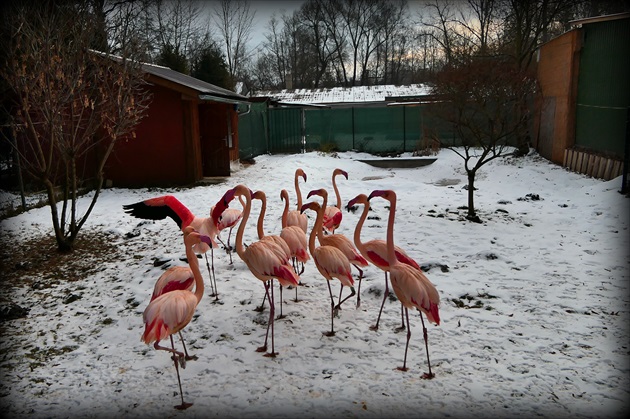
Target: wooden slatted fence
x,y
592,165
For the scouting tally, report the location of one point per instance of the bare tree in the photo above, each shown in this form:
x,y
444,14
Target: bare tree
x,y
235,21
485,102
71,105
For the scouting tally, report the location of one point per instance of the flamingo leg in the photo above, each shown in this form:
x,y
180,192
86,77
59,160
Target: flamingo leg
x,y
281,316
426,345
385,294
359,289
402,319
332,312
261,307
187,357
338,307
213,281
404,367
184,405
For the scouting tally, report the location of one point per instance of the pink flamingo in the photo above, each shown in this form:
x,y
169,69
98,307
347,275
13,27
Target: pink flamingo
x,y
375,251
342,243
263,260
175,278
294,236
295,217
229,218
330,262
282,245
412,287
168,206
172,311
332,213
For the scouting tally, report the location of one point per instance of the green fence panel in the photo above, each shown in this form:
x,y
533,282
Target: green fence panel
x,y
285,130
328,129
252,132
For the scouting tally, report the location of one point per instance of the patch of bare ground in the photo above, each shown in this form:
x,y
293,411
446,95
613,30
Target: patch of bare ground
x,y
36,262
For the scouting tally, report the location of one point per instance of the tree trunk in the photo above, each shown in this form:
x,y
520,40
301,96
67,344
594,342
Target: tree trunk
x,y
472,214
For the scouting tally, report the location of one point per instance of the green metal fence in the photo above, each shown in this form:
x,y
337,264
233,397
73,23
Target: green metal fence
x,y
377,130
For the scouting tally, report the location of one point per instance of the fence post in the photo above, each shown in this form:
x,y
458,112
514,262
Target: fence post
x,y
626,156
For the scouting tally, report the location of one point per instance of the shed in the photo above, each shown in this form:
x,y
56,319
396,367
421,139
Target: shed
x,y
583,113
190,132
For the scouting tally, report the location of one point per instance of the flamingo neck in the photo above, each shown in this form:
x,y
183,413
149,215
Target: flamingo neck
x,y
297,191
336,192
193,262
357,230
261,217
285,197
391,253
316,230
319,228
242,191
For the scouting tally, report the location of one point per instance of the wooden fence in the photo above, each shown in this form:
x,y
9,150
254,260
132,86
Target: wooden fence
x,y
592,165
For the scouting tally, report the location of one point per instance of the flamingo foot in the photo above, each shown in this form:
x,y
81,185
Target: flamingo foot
x,y
260,309
191,357
262,348
374,327
329,334
280,317
399,329
183,406
404,369
271,354
427,376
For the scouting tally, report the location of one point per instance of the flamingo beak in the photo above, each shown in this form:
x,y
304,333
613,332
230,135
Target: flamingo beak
x,y
345,174
205,239
313,192
305,207
376,193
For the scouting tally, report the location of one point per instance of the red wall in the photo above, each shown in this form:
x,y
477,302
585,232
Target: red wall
x,y
157,156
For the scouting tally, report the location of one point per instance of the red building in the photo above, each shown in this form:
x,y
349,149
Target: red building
x,y
190,132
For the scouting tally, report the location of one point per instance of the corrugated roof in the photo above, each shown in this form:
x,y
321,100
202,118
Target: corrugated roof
x,y
204,88
355,94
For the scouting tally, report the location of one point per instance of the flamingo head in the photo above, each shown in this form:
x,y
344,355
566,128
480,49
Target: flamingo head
x,y
359,199
320,192
257,195
284,195
340,172
382,193
310,205
300,172
221,205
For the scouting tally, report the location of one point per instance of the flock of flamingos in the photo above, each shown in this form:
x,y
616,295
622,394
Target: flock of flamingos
x,y
281,257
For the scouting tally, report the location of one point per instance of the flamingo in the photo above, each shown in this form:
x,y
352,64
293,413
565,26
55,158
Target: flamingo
x,y
169,206
229,218
375,251
412,287
175,278
332,213
342,243
282,246
172,311
330,262
295,217
294,236
263,260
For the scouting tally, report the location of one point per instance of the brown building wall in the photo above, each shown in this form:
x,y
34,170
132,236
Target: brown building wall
x,y
557,75
158,156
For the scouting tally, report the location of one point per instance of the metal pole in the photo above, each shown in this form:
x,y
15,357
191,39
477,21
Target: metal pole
x,y
626,156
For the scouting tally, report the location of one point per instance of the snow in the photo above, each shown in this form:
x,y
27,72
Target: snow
x,y
354,94
534,306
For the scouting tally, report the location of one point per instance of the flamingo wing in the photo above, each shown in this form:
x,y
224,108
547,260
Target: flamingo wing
x,y
414,289
229,218
344,244
296,240
160,208
168,314
265,260
332,263
174,278
332,218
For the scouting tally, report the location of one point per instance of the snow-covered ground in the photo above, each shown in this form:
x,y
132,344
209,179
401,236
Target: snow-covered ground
x,y
534,306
